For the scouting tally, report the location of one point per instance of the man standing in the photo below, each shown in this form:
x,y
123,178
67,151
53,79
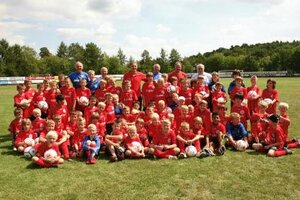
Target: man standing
x,y
78,75
177,73
156,72
200,71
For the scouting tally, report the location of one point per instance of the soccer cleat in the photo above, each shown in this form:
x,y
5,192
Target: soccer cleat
x,y
182,155
202,154
93,161
288,151
222,150
113,159
172,157
15,149
208,152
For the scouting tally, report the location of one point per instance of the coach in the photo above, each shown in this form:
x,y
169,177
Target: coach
x,y
78,74
200,71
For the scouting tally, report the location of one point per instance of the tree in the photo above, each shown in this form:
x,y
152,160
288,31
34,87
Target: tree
x,y
92,55
44,52
75,52
146,61
62,50
295,60
121,57
174,57
214,62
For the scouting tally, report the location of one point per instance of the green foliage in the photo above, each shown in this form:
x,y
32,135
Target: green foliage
x,y
19,60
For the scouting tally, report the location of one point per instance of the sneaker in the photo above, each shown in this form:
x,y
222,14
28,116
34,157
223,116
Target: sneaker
x,y
120,153
70,160
222,150
182,155
295,140
274,148
93,161
113,159
288,151
172,157
202,154
15,149
209,152
88,161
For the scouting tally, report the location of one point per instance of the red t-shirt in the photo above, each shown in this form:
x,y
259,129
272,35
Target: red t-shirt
x,y
179,75
100,94
284,124
241,90
160,94
270,94
148,92
188,94
39,125
214,98
128,98
253,103
275,135
15,126
110,113
23,135
128,141
41,148
51,98
70,96
88,111
115,90
168,138
136,79
243,111
215,128
187,136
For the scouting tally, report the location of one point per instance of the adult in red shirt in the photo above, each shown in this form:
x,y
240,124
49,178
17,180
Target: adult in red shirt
x,y
177,72
270,93
135,77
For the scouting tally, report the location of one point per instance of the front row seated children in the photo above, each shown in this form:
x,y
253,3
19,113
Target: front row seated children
x,y
91,144
186,137
47,153
63,137
113,143
274,141
236,131
133,144
164,142
215,135
26,136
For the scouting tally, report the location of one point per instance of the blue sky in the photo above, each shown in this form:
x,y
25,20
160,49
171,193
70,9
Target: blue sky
x,y
190,26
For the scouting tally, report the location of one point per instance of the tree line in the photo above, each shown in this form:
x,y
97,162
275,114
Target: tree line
x,y
17,60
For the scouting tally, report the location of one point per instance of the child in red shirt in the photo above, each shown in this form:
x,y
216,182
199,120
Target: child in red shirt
x,y
38,124
26,136
142,133
82,91
20,100
215,135
241,109
186,137
63,137
110,112
41,148
113,143
186,91
50,126
15,125
253,94
204,113
238,89
101,91
284,123
164,142
218,97
148,90
128,96
70,94
133,144
270,94
92,107
76,140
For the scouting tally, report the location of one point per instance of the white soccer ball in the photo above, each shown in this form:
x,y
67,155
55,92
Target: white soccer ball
x,y
84,100
137,146
29,152
190,151
252,94
268,100
29,142
171,88
24,102
221,100
50,154
43,105
241,145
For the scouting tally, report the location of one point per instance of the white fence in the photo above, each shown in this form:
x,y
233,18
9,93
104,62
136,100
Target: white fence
x,y
39,79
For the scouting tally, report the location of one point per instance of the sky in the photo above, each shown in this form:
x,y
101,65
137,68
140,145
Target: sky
x,y
190,26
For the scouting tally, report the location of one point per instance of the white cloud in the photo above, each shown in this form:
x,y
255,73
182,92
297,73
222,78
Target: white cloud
x,y
162,28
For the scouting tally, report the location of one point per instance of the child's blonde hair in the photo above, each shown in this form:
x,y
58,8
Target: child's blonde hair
x,y
283,105
92,126
166,121
184,124
81,120
235,115
37,111
52,134
198,119
263,104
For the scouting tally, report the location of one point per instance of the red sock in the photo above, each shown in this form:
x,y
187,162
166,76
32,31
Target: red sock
x,y
293,145
279,153
43,163
88,154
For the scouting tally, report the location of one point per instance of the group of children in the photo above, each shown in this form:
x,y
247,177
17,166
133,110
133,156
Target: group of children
x,y
76,122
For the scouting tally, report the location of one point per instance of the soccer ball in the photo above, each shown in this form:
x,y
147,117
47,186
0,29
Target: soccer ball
x,y
137,146
241,145
50,154
171,88
93,144
43,105
221,100
29,152
268,100
24,102
29,141
252,94
190,151
84,100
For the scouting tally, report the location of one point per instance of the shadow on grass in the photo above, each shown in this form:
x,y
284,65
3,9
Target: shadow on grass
x,y
11,153
33,166
5,138
254,153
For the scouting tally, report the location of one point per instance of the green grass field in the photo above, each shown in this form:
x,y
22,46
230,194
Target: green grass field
x,y
236,175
